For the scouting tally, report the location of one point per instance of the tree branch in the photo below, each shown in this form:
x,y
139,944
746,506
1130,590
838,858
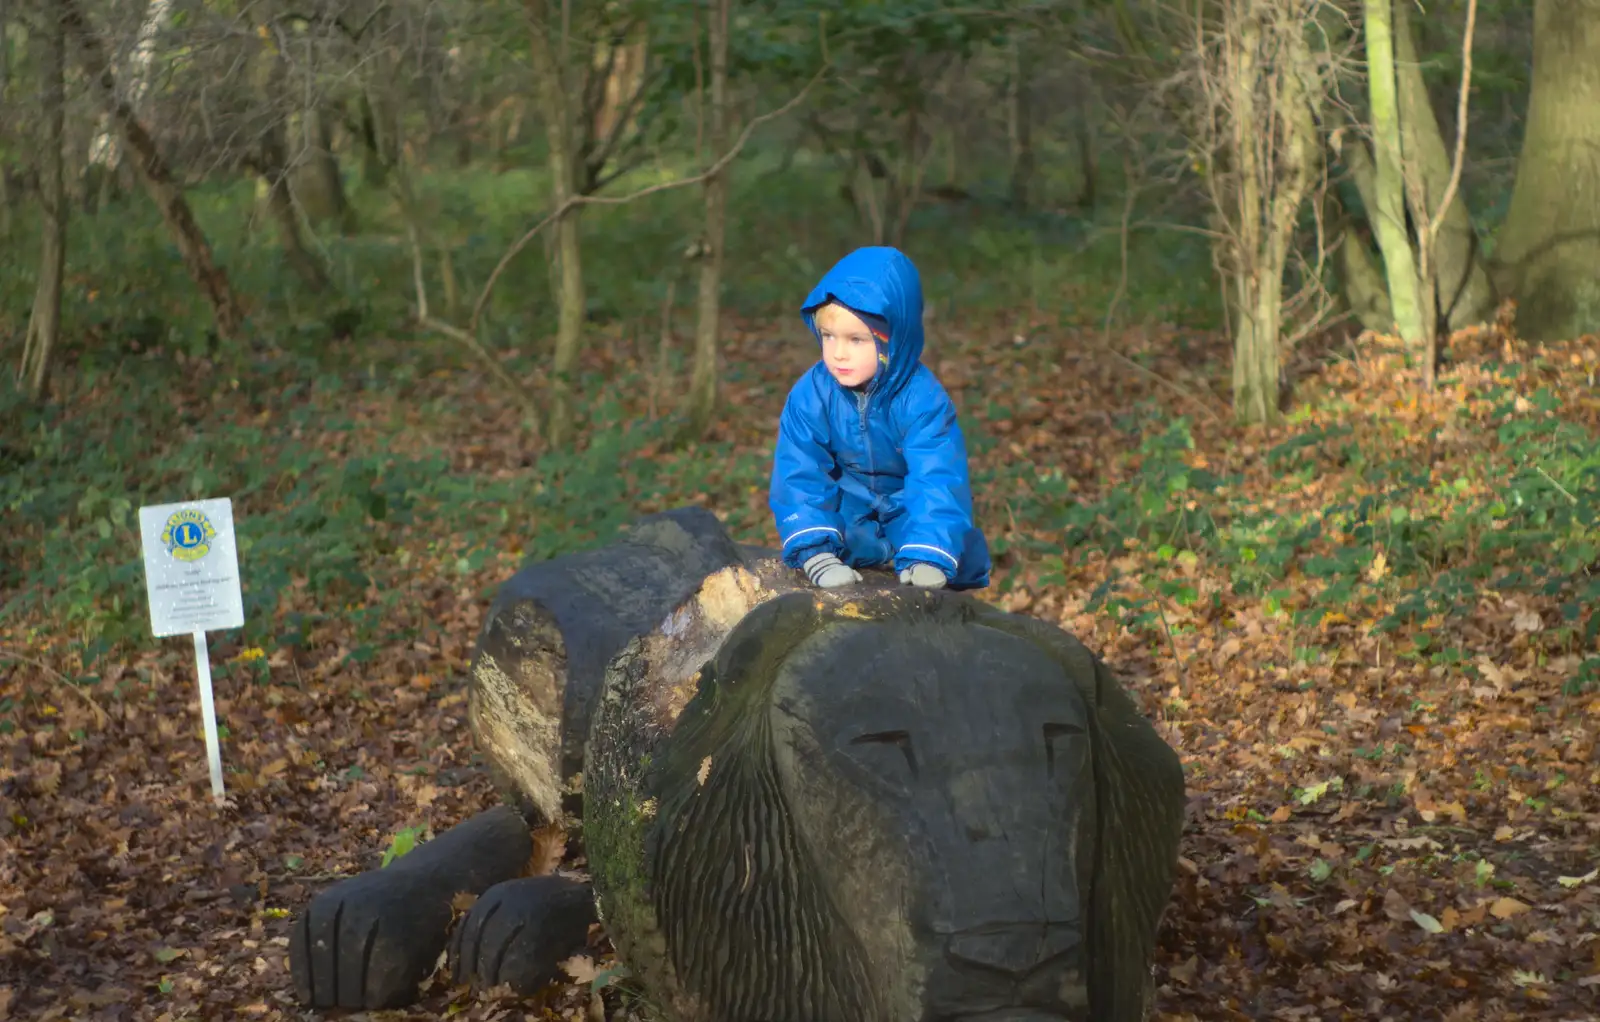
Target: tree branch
x,y
354,35
1437,219
521,243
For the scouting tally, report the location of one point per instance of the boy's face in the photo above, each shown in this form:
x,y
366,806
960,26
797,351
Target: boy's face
x,y
848,349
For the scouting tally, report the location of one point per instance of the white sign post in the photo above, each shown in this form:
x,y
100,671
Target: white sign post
x,y
191,573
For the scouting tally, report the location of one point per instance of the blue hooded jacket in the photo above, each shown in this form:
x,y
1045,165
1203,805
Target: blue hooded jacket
x,y
876,474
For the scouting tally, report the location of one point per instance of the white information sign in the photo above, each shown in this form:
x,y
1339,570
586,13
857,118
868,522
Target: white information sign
x,y
191,573
191,567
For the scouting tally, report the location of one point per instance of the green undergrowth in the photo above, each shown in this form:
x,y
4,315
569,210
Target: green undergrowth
x,y
1513,506
1387,542
126,286
350,522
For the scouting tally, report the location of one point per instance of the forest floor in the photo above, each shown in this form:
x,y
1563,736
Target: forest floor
x,y
1369,632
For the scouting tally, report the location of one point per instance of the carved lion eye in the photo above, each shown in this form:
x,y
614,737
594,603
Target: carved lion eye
x,y
1052,733
899,738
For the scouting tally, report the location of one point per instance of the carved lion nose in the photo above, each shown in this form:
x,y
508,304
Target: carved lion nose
x,y
1014,949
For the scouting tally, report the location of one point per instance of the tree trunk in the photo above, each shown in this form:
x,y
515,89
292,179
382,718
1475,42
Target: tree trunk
x,y
1461,286
1256,366
1388,213
375,162
1088,170
704,375
1274,147
271,165
317,183
904,191
280,205
1546,254
1020,122
1365,290
1361,273
6,198
551,73
156,177
105,155
624,64
44,324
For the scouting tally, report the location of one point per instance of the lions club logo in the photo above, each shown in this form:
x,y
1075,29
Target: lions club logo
x,y
188,535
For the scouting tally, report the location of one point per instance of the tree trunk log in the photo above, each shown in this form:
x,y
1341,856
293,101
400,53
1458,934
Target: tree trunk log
x,y
807,804
549,634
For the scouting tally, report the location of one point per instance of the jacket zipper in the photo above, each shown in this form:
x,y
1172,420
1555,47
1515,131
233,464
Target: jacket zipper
x,y
866,441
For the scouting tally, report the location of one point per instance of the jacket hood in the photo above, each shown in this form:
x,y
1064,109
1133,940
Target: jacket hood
x,y
883,283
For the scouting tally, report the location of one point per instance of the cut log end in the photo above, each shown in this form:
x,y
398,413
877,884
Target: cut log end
x,y
514,707
695,630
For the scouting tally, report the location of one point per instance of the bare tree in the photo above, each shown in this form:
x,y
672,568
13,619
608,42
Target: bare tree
x,y
1455,287
706,369
1261,91
44,324
269,159
156,175
1429,222
550,38
104,153
469,335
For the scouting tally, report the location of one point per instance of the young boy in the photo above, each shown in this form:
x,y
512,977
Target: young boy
x,y
870,467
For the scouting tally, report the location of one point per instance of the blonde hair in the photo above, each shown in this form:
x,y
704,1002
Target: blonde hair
x,y
839,308
834,308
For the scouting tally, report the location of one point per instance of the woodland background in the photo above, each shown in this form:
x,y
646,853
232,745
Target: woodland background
x,y
1274,345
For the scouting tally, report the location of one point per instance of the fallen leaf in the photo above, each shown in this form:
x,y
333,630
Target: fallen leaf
x,y
1426,921
1228,650
1379,567
581,968
1395,905
549,848
1505,908
1185,973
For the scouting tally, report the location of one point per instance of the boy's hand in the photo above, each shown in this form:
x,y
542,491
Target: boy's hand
x,y
924,575
828,572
